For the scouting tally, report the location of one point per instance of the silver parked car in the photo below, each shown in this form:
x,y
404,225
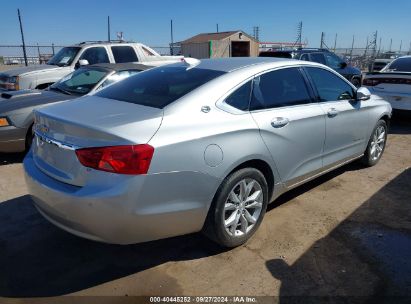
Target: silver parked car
x,y
202,145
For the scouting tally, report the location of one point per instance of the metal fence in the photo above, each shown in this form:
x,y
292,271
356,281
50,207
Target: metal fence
x,y
38,54
364,57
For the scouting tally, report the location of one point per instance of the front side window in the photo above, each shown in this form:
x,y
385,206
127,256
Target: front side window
x,y
329,86
304,57
400,65
80,82
317,57
64,57
124,54
95,55
240,98
280,88
160,86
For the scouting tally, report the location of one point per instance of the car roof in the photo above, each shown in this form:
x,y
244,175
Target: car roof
x,y
234,63
121,66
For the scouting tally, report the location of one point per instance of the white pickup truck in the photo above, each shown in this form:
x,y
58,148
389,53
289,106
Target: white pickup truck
x,y
71,57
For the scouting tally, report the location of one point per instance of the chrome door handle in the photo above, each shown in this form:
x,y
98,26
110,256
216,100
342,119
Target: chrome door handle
x,y
332,112
279,122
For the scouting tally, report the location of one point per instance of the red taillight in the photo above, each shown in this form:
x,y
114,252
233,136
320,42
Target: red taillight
x,y
117,159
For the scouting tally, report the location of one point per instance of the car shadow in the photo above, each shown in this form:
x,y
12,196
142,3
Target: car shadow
x,y
40,260
400,122
289,195
11,158
365,259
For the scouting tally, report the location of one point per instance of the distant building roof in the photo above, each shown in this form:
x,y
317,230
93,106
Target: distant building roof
x,y
206,37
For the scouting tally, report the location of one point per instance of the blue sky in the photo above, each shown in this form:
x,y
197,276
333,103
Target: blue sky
x,y
64,22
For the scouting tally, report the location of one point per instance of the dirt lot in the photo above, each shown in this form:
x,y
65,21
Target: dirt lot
x,y
346,233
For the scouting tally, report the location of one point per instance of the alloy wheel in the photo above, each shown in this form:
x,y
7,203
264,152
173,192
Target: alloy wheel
x,y
378,143
243,207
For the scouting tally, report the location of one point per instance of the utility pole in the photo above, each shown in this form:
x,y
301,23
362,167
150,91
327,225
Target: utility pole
x,y
217,27
390,45
22,38
352,48
172,38
256,33
108,29
335,42
400,46
322,40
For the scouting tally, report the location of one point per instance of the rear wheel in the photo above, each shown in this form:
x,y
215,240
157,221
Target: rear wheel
x,y
376,144
238,208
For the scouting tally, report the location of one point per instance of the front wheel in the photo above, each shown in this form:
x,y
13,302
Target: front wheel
x,y
376,144
356,82
238,208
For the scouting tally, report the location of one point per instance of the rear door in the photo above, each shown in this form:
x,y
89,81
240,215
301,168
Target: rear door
x,y
346,119
291,125
124,53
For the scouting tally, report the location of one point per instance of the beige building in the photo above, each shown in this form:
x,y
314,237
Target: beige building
x,y
222,44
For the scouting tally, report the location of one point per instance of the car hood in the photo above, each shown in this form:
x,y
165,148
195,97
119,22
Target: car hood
x,y
31,69
352,70
20,100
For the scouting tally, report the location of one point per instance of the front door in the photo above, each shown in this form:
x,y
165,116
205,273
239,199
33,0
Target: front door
x,y
346,120
291,125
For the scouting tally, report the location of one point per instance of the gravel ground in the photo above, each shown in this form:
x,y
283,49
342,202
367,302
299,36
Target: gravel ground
x,y
347,233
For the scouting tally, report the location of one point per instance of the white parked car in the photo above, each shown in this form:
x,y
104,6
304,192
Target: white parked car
x,y
393,83
71,57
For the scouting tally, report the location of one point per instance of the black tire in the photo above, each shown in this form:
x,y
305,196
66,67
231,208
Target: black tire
x,y
356,82
214,227
29,138
369,158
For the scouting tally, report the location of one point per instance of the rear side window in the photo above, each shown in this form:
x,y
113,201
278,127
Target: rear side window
x,y
285,87
95,55
401,65
330,87
124,54
317,57
240,98
160,86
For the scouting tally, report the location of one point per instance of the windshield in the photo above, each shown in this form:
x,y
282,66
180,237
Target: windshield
x,y
333,60
400,65
159,87
80,82
64,57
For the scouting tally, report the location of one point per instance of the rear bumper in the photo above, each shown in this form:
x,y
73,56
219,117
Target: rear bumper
x,y
144,208
12,139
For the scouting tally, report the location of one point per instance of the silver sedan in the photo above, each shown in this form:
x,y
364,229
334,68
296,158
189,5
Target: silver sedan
x,y
197,146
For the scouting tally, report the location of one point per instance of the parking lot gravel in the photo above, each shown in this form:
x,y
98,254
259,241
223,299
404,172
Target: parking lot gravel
x,y
347,233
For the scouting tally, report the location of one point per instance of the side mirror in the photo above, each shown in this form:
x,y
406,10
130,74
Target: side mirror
x,y
343,65
363,93
83,62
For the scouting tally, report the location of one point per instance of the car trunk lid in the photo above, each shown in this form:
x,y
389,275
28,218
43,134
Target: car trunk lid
x,y
89,121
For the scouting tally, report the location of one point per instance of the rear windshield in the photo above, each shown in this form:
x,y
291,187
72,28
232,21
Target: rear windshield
x,y
159,87
401,65
275,54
